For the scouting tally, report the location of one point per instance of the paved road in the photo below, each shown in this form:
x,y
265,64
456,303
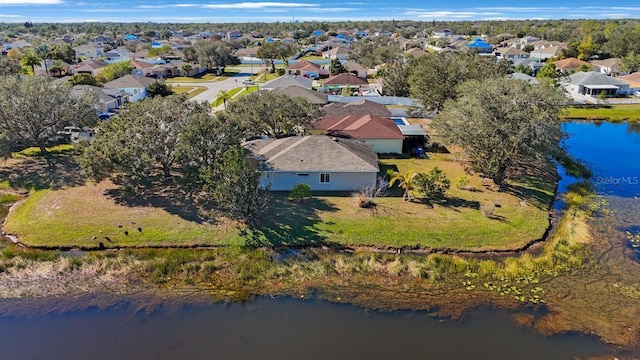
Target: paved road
x,y
214,87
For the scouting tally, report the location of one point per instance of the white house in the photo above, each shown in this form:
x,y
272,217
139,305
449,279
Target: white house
x,y
134,85
322,162
340,53
88,51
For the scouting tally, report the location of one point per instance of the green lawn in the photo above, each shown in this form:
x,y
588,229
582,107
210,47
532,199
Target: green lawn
x,y
72,216
219,101
630,112
457,223
312,57
191,90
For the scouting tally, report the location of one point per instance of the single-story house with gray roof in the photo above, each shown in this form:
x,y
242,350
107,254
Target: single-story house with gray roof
x,y
322,162
594,83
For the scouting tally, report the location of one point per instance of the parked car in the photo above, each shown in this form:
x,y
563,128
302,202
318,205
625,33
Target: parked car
x,y
637,93
248,82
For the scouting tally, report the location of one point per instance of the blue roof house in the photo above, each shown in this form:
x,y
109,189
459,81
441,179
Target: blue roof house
x,y
480,46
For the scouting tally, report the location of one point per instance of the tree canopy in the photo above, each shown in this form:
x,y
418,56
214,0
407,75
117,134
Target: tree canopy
x,y
33,109
272,114
372,51
434,77
502,124
142,141
215,55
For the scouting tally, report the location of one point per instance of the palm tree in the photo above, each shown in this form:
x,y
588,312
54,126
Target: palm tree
x,y
405,182
57,67
43,52
225,96
30,59
186,68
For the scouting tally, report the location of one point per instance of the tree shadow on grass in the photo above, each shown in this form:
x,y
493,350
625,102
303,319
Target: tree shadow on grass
x,y
456,202
290,224
39,173
170,198
531,194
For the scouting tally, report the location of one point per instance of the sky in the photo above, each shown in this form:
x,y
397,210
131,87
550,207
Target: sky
x,y
39,11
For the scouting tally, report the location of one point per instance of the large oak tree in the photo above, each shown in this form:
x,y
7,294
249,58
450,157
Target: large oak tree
x,y
502,124
33,109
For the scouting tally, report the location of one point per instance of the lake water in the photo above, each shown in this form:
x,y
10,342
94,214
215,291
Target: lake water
x,y
280,329
288,328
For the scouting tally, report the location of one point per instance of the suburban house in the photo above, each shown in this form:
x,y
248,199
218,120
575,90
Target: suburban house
x,y
442,33
381,133
570,65
90,66
322,162
314,97
510,53
360,107
546,53
88,51
344,80
481,46
594,83
110,99
356,69
141,68
414,52
117,55
134,85
340,53
608,66
288,80
524,77
633,80
306,69
251,52
234,35
530,63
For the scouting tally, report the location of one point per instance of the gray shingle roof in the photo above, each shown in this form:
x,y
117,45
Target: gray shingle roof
x,y
314,153
130,81
314,97
288,80
593,78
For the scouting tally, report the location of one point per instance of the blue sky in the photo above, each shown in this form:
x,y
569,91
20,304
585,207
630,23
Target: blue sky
x,y
308,10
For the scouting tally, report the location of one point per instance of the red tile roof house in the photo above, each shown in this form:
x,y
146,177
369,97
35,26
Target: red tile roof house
x,y
338,82
382,134
306,69
322,162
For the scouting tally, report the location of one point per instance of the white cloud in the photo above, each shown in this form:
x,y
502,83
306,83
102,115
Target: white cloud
x,y
451,14
7,16
31,2
257,5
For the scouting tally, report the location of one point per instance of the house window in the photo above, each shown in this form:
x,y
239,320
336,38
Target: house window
x,y
324,178
303,174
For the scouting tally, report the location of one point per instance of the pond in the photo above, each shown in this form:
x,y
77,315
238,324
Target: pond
x,y
282,328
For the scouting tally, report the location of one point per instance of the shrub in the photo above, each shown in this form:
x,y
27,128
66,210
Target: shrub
x,y
462,182
300,192
280,71
433,185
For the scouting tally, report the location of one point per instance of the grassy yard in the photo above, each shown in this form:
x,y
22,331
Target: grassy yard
x,y
312,57
219,101
457,223
629,112
476,218
73,216
190,90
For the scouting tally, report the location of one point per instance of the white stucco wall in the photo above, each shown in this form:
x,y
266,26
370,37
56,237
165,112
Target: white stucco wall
x,y
136,93
339,181
386,146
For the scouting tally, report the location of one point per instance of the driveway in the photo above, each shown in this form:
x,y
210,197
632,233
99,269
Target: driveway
x,y
214,87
